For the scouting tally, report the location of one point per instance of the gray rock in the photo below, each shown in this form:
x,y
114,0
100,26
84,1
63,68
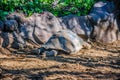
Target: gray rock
x,y
106,31
105,27
66,41
78,24
37,28
40,27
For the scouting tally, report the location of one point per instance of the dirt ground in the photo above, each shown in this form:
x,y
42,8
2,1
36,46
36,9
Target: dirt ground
x,y
97,63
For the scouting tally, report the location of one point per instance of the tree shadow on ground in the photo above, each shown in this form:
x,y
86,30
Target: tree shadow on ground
x,y
112,62
41,73
45,72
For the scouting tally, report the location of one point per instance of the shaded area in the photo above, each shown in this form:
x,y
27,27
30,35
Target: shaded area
x,y
65,67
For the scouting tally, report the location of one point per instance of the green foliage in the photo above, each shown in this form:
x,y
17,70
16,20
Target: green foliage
x,y
63,7
3,14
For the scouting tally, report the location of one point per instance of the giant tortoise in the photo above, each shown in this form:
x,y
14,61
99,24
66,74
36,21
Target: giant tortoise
x,y
64,41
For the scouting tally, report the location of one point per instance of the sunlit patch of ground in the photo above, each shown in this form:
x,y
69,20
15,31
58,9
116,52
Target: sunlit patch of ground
x,y
94,64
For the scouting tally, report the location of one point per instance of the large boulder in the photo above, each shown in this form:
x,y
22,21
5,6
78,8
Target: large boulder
x,y
78,24
18,29
40,27
104,22
106,31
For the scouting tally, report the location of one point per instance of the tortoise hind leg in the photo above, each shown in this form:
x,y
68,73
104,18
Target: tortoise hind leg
x,y
52,53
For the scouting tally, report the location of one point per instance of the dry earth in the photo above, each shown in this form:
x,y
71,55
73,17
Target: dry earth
x,y
98,63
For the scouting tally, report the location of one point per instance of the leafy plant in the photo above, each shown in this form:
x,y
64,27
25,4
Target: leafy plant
x,y
60,8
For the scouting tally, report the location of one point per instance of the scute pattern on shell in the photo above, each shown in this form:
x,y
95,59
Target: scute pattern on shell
x,y
64,40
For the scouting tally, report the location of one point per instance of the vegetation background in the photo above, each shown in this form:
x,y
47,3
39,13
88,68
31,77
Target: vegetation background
x,y
57,7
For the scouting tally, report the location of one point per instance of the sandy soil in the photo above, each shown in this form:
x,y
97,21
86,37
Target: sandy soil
x,y
98,63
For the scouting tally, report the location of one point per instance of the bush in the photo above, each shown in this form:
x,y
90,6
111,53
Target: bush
x,y
57,7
